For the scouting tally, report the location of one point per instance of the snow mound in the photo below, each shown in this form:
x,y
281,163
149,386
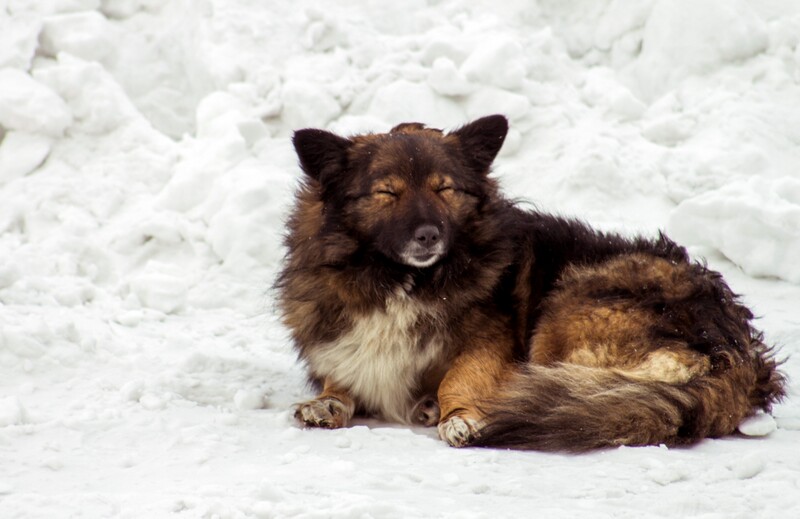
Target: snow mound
x,y
755,223
684,37
759,425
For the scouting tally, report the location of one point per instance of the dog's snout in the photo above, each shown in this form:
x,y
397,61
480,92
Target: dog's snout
x,y
426,246
427,235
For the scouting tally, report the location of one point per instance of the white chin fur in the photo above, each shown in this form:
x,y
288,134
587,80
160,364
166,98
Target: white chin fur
x,y
417,256
414,262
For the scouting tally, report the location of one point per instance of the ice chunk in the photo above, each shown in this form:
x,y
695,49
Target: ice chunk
x,y
87,35
65,6
307,104
446,79
604,90
245,399
761,424
161,286
494,100
18,40
669,130
748,466
132,390
226,114
196,173
21,153
29,106
451,44
239,231
97,102
218,114
22,342
123,8
499,62
9,274
323,31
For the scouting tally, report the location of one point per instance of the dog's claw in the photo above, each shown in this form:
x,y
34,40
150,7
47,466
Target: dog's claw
x,y
458,431
327,413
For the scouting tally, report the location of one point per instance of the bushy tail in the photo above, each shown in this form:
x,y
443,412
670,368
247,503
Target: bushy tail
x,y
568,407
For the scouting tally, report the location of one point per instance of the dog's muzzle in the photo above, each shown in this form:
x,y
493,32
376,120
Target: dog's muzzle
x,y
425,248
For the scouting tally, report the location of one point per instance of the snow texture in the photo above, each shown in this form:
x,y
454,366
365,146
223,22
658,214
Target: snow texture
x,y
146,171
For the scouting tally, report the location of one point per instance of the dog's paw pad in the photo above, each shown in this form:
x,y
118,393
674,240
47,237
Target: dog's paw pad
x,y
328,413
458,431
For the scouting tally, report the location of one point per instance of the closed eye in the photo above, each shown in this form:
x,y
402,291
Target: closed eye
x,y
386,192
444,189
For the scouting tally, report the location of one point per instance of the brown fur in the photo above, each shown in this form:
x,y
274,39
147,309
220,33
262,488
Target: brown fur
x,y
410,281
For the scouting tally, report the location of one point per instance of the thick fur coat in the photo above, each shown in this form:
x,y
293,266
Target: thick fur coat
x,y
416,293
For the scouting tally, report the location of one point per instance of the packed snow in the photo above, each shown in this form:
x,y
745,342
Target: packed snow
x,y
146,171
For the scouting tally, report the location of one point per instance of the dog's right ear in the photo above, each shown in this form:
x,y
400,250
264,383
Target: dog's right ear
x,y
481,140
320,152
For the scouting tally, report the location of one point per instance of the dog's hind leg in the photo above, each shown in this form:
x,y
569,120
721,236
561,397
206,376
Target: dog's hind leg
x,y
426,412
332,409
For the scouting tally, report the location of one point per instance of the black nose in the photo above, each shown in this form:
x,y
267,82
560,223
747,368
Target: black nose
x,y
426,235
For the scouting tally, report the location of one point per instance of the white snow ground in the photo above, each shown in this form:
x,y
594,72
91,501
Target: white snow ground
x,y
145,170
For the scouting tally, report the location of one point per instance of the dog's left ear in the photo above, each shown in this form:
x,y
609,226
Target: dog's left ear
x,y
321,153
481,140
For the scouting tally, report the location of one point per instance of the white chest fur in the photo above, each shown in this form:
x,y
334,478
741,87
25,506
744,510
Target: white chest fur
x,y
381,359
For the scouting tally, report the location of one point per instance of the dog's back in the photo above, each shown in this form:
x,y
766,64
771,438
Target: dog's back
x,y
638,347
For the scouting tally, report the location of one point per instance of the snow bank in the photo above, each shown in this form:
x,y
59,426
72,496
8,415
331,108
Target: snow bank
x,y
755,223
683,38
146,171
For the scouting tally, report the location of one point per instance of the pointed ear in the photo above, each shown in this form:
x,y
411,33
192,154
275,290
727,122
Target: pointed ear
x,y
320,152
481,140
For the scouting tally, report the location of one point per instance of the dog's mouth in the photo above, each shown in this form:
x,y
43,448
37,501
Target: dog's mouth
x,y
422,260
421,257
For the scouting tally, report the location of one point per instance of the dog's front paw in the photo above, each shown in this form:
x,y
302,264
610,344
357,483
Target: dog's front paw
x,y
328,412
458,431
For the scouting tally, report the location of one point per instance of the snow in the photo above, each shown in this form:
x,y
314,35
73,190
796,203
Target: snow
x,y
146,170
754,222
712,33
761,424
85,34
29,106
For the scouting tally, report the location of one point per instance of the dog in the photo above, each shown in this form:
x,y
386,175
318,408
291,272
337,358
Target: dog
x,y
416,293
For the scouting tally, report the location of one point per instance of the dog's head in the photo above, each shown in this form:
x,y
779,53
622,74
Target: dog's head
x,y
405,194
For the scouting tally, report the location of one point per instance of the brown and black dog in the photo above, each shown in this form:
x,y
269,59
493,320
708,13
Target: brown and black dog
x,y
416,293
